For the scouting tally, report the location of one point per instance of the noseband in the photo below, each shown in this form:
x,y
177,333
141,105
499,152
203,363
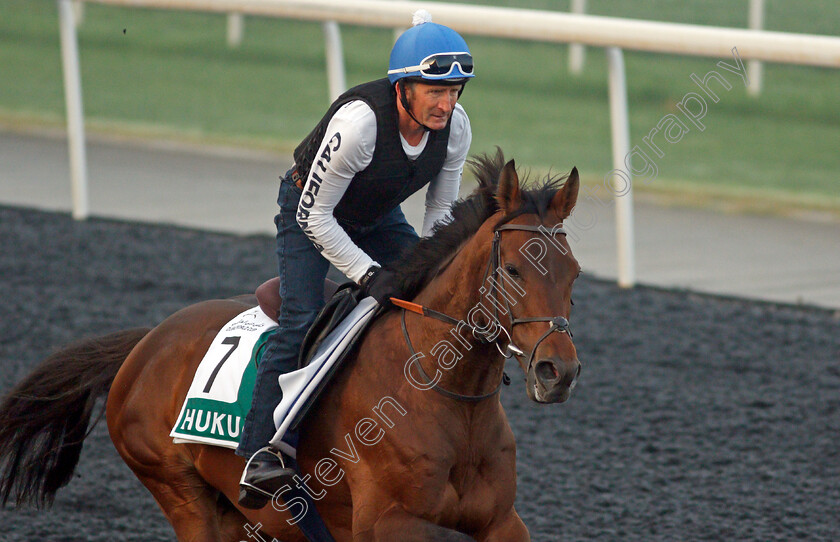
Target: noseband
x,y
557,324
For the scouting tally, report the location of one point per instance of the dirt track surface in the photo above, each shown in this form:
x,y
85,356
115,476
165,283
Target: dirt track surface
x,y
696,418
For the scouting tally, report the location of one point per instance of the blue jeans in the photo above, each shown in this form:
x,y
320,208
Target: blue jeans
x,y
302,272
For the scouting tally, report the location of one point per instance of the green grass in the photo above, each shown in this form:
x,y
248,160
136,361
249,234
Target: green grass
x,y
172,72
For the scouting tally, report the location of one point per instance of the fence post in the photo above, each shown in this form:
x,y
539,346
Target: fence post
x,y
335,59
620,151
755,67
577,52
235,26
75,113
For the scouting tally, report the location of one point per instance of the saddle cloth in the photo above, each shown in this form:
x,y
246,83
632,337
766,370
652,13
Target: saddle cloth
x,y
220,395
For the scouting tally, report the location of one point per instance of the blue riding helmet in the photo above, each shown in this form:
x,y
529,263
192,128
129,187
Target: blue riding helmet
x,y
432,52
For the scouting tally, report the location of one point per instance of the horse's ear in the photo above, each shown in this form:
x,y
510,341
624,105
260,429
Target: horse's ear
x,y
565,198
508,195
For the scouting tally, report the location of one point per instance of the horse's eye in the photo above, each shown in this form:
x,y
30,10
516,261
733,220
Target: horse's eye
x,y
511,270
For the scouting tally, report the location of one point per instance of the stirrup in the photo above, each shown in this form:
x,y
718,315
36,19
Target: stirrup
x,y
251,496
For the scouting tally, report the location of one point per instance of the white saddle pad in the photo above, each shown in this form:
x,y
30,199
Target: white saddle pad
x,y
298,385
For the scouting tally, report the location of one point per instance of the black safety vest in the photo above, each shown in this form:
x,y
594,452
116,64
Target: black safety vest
x,y
391,177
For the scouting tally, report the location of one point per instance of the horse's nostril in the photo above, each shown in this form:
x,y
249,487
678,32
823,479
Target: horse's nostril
x,y
578,370
546,371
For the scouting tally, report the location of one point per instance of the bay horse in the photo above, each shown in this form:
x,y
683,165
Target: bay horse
x,y
409,442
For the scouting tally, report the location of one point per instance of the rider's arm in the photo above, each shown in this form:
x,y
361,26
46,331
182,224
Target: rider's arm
x,y
443,190
347,148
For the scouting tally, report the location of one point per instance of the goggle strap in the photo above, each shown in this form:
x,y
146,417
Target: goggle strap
x,y
410,69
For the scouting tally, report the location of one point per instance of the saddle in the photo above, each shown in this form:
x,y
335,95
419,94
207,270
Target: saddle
x,y
268,295
341,300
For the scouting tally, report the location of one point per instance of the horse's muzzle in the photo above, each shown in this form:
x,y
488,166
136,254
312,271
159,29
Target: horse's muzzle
x,y
551,380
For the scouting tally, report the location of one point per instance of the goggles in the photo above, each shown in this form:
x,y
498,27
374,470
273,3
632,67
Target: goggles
x,y
440,65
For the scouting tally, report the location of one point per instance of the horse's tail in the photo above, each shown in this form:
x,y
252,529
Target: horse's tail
x,y
44,419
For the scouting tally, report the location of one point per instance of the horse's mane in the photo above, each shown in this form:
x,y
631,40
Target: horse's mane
x,y
419,266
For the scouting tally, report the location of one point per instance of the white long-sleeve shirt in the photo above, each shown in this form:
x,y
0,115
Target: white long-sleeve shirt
x,y
349,142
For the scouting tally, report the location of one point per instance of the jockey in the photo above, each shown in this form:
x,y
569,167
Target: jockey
x,y
377,144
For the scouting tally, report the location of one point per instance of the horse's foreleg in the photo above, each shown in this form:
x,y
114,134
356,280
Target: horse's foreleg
x,y
506,528
397,524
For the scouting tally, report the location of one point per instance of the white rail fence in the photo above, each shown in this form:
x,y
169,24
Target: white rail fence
x,y
546,26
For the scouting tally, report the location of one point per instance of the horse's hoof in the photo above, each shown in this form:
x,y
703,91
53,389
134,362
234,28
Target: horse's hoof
x,y
251,499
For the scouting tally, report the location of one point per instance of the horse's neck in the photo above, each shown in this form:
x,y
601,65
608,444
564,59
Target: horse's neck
x,y
456,292
378,387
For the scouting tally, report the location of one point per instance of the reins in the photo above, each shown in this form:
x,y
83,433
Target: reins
x,y
428,381
557,323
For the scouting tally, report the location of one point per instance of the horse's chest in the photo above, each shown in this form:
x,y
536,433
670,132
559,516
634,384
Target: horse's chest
x,y
479,488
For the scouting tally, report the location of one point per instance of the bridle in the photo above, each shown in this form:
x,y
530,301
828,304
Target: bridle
x,y
557,324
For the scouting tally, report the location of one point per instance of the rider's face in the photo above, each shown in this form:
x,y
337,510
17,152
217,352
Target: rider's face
x,y
432,105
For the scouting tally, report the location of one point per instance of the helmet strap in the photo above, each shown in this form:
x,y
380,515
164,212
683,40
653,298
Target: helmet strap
x,y
407,106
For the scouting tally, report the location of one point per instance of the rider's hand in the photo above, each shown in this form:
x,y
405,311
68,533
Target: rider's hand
x,y
381,284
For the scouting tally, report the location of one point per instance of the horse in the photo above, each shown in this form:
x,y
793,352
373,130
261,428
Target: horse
x,y
409,441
